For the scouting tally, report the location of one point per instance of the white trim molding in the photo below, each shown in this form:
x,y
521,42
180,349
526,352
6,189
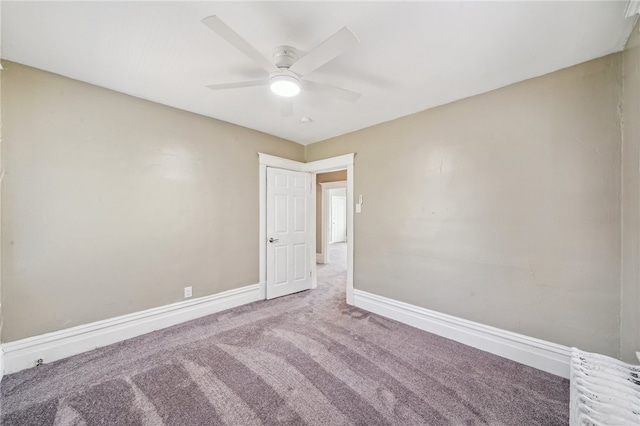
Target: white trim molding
x,y
22,354
536,353
281,163
633,8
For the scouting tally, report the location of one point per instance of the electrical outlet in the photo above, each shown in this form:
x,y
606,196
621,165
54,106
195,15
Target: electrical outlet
x,y
187,292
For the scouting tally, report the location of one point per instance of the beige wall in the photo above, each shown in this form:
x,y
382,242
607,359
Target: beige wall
x,y
502,208
337,176
630,292
112,204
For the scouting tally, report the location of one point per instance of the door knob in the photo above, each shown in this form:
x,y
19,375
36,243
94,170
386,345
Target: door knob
x,y
273,240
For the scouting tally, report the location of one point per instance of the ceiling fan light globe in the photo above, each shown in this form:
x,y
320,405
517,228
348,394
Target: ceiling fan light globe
x,y
285,85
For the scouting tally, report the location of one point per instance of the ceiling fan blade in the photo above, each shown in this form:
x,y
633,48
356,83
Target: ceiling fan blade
x,y
224,31
336,92
287,107
335,45
238,85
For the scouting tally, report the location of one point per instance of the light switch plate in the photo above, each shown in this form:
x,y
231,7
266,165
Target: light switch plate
x,y
358,208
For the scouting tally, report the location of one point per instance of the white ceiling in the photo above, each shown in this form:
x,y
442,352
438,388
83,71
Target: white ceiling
x,y
411,56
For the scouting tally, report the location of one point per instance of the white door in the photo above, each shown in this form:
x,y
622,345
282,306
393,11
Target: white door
x,y
338,219
289,233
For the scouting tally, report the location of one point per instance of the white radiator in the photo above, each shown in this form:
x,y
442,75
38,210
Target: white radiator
x,y
604,391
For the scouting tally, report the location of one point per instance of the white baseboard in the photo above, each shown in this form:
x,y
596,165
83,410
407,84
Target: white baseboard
x,y
320,258
540,354
50,347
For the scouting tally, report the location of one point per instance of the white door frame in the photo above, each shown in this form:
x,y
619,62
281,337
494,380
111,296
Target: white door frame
x,y
321,166
326,213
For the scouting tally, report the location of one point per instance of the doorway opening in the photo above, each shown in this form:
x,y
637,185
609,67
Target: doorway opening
x,y
331,229
342,162
331,217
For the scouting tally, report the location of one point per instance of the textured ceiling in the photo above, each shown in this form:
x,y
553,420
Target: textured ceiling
x,y
411,56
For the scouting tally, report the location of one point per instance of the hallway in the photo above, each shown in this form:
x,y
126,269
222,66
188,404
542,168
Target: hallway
x,y
334,273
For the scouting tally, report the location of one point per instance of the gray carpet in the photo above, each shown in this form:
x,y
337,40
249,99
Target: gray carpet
x,y
307,358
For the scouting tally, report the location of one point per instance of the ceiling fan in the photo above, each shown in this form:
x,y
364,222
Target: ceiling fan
x,y
287,71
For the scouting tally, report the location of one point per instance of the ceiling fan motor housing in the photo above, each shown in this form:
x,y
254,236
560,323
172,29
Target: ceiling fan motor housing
x,y
284,56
